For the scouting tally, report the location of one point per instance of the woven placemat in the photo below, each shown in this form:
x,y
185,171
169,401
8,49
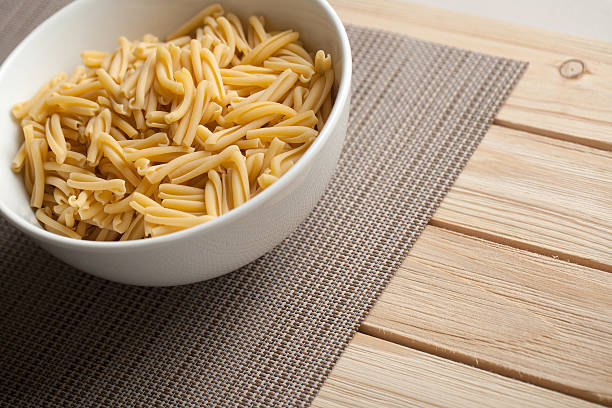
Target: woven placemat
x,y
269,334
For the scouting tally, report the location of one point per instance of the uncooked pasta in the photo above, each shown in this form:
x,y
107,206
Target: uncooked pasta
x,y
158,136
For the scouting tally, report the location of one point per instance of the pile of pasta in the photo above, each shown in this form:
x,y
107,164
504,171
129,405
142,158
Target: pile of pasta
x,y
160,136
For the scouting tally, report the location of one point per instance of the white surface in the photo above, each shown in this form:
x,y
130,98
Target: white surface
x,y
210,249
584,18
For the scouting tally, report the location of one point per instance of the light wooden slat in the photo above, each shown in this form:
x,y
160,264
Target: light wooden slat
x,y
505,33
535,193
376,373
544,101
509,311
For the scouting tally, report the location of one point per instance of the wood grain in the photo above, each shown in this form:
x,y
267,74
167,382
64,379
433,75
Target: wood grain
x,y
376,373
535,193
506,310
509,311
544,102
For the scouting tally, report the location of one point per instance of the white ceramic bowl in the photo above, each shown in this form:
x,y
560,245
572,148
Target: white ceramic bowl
x,y
219,246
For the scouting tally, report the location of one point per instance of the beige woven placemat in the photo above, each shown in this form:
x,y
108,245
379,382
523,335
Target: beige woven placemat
x,y
269,334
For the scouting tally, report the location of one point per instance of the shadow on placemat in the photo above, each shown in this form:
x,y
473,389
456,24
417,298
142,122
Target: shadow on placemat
x,y
268,334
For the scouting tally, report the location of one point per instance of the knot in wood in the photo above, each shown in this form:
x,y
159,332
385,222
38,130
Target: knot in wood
x,y
572,68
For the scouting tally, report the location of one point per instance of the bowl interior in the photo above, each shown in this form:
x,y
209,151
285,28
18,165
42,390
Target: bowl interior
x,y
55,47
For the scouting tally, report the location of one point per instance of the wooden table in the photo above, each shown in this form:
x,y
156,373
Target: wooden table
x,y
506,298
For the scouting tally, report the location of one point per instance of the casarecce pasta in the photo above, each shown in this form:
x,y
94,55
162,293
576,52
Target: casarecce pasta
x,y
158,136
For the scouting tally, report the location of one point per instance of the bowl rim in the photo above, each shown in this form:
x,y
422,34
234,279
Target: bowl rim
x,y
342,98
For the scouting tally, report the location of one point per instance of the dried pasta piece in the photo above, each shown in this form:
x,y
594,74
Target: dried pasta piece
x,y
265,180
164,71
202,97
268,47
212,10
55,138
184,77
34,149
92,183
289,134
57,227
20,159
